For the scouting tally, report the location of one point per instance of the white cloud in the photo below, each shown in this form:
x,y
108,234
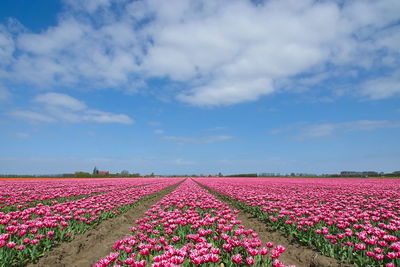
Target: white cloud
x,y
224,52
62,107
185,140
60,100
227,92
106,117
318,130
7,47
330,129
31,116
158,131
89,5
383,87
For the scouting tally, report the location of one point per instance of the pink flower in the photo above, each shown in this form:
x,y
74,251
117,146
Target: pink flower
x,y
379,257
237,258
141,263
392,255
252,251
277,263
227,247
214,258
249,261
4,236
264,251
270,244
50,233
197,260
21,247
360,246
275,254
177,260
129,261
280,248
215,250
370,254
144,251
11,244
176,239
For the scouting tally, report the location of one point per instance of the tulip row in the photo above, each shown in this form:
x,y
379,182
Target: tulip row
x,y
17,195
353,220
25,234
191,227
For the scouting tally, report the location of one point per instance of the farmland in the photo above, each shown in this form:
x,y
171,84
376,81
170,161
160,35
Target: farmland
x,y
199,222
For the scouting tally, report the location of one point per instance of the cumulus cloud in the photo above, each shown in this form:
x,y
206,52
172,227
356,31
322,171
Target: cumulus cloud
x,y
222,52
227,92
382,87
62,107
185,140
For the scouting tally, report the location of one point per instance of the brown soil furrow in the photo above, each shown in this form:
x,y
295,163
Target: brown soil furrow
x,y
295,254
87,248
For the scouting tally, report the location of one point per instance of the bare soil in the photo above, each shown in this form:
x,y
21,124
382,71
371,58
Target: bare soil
x,y
87,248
296,253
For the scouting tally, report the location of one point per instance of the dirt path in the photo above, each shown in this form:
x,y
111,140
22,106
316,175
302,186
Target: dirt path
x,y
295,253
89,247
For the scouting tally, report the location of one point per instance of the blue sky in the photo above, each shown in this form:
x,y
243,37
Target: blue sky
x,y
176,87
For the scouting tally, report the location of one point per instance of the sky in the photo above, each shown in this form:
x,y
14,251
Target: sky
x,y
199,87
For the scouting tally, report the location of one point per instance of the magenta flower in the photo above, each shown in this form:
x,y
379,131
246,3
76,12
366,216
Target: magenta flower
x,y
249,260
11,244
237,258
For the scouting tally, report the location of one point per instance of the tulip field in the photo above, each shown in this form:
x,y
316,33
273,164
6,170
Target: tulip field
x,y
37,215
190,226
355,221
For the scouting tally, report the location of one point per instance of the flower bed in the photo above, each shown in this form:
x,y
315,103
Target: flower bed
x,y
355,220
27,233
191,227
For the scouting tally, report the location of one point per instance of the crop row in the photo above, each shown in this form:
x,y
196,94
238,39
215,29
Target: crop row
x,y
21,194
191,227
352,220
27,233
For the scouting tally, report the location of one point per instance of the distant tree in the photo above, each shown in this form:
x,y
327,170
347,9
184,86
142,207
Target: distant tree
x,y
82,175
124,173
220,174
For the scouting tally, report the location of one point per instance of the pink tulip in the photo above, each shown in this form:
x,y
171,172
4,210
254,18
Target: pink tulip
x,y
237,258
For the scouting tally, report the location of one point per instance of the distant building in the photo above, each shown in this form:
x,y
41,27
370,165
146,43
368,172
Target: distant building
x,y
97,172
